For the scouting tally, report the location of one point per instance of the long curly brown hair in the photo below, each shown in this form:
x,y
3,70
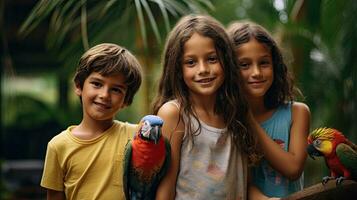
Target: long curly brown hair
x,y
230,101
282,89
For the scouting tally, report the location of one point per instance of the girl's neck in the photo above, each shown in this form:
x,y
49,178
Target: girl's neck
x,y
205,104
205,110
259,110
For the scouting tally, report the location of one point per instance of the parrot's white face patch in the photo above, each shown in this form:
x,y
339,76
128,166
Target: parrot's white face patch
x,y
145,129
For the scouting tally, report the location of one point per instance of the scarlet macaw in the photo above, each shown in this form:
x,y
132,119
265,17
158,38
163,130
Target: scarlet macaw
x,y
146,160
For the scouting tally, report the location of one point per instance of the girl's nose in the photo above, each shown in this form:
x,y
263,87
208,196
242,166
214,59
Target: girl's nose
x,y
203,67
256,72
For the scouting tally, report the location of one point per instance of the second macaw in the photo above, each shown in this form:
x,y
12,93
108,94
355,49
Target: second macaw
x,y
340,154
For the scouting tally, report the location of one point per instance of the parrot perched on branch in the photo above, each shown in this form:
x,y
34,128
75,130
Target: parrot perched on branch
x,y
147,158
340,154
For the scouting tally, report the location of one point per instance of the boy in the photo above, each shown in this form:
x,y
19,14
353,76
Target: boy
x,y
85,161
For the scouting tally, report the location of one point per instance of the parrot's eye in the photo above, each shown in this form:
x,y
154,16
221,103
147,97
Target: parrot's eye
x,y
317,142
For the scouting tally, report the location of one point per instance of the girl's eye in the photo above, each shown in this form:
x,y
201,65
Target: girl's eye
x,y
189,62
212,59
243,65
265,63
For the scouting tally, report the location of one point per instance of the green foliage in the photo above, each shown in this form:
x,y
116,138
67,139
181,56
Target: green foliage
x,y
74,26
319,43
26,111
319,39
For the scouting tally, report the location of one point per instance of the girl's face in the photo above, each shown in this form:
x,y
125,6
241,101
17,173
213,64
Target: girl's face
x,y
256,67
202,71
102,96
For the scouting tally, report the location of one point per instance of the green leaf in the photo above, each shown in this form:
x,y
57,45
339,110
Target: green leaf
x,y
141,21
164,14
152,20
84,26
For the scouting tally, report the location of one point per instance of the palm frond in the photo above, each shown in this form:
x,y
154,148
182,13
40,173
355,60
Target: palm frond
x,y
67,17
165,15
39,13
84,26
141,21
152,20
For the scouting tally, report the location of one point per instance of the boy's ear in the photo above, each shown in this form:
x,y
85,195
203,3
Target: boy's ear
x,y
78,90
123,105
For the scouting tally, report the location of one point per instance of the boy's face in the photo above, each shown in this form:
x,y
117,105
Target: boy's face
x,y
102,96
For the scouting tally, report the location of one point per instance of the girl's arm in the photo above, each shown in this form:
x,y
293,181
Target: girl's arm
x,y
55,195
288,163
173,130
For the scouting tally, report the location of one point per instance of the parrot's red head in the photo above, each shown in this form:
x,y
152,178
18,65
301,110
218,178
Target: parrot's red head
x,y
323,141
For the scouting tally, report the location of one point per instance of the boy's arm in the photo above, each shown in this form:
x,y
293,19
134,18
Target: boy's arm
x,y
173,131
52,176
55,195
288,163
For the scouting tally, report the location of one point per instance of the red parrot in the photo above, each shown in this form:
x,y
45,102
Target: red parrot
x,y
146,160
340,154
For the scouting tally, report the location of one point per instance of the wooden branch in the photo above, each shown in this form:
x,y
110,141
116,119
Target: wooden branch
x,y
330,191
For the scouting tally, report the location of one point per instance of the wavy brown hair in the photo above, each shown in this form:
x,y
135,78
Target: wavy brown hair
x,y
110,59
282,89
230,101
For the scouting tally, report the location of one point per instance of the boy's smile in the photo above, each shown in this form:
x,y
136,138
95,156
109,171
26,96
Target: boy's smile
x,y
102,96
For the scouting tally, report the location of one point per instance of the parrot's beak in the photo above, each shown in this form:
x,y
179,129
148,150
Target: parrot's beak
x,y
155,134
312,151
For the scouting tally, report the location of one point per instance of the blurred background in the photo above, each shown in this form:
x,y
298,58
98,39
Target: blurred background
x,y
42,41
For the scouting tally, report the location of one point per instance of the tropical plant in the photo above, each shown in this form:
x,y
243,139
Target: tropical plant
x,y
74,26
319,41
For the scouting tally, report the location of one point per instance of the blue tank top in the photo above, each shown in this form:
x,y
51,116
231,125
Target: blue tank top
x,y
269,181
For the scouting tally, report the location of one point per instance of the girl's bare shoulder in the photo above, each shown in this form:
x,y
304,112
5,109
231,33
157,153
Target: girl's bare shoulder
x,y
300,109
169,109
299,106
170,113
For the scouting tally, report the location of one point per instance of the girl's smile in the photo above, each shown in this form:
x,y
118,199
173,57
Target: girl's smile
x,y
202,71
206,81
256,67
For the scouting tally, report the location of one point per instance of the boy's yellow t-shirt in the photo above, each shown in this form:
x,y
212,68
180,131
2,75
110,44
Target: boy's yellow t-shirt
x,y
88,169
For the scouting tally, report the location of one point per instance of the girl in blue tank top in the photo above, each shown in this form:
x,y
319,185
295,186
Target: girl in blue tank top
x,y
281,124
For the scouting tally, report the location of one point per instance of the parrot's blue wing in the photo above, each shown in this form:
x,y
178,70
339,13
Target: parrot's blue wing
x,y
126,169
348,158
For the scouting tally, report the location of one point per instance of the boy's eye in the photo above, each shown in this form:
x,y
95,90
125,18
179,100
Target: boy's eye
x,y
95,84
117,90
